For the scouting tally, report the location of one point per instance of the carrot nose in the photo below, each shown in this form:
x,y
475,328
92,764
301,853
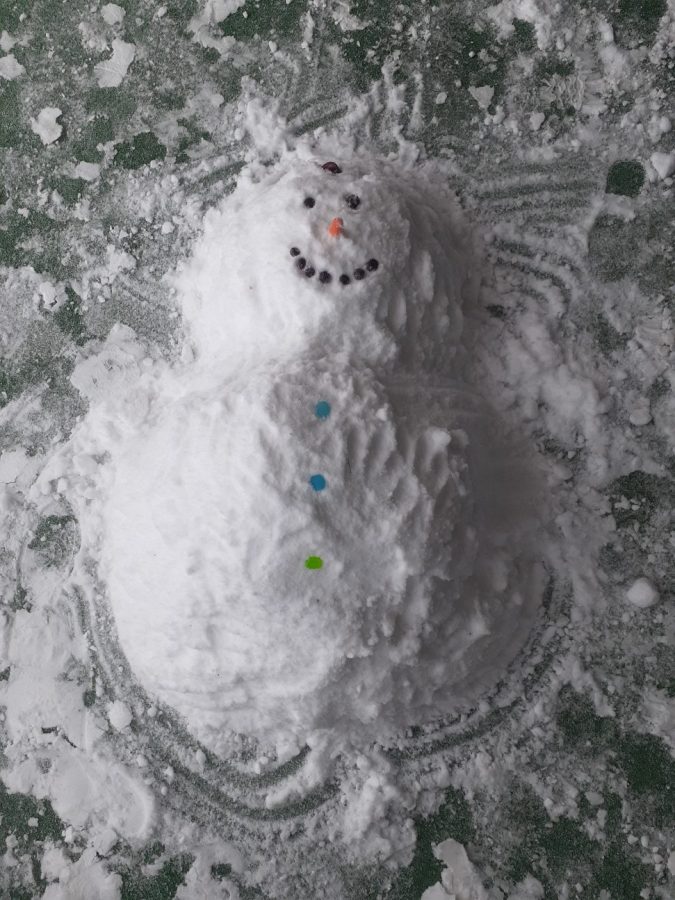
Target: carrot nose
x,y
336,227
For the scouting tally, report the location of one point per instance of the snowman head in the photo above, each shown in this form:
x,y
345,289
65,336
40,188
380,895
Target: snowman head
x,y
340,265
324,257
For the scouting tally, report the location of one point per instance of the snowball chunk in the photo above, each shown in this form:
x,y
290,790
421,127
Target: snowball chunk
x,y
119,715
460,878
111,72
642,593
46,126
88,171
671,863
10,67
640,413
53,295
482,95
112,13
6,41
663,163
536,120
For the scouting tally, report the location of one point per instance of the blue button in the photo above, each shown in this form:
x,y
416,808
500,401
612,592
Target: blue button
x,y
322,409
318,482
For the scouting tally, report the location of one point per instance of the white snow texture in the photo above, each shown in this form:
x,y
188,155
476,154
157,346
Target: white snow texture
x,y
203,513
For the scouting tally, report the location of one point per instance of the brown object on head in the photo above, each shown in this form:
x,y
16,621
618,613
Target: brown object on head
x,y
336,227
331,167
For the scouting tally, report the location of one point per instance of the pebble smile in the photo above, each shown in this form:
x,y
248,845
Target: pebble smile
x,y
325,276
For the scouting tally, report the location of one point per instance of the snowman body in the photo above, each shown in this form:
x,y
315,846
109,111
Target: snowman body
x,y
309,519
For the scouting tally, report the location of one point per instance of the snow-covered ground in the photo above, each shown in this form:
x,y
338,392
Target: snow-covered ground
x,y
513,169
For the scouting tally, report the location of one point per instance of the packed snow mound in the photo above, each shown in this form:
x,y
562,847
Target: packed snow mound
x,y
313,526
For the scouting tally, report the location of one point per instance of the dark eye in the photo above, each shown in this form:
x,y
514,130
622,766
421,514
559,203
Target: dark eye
x,y
309,202
352,201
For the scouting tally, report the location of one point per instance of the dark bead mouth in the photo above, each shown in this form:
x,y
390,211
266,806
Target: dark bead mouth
x,y
325,277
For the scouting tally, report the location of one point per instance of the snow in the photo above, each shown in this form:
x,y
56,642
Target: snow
x,y
460,879
90,792
642,593
50,294
87,878
663,163
10,67
482,95
230,601
117,261
219,10
87,170
640,412
536,120
537,12
528,889
46,126
6,42
111,73
436,892
119,715
606,31
536,196
112,13
210,14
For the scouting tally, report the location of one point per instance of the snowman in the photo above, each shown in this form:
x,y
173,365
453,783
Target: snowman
x,y
313,527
